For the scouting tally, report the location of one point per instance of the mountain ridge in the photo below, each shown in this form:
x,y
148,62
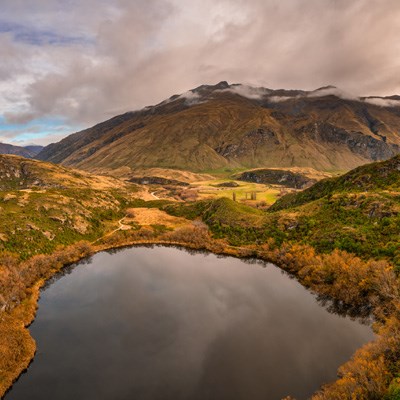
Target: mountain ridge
x,y
222,126
25,151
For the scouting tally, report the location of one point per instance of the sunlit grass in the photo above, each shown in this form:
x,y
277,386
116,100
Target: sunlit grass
x,y
210,189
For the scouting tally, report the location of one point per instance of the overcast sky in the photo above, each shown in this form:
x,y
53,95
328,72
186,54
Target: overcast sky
x,y
68,64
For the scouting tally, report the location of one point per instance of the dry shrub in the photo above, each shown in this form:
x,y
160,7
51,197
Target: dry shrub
x,y
196,236
369,373
356,283
16,278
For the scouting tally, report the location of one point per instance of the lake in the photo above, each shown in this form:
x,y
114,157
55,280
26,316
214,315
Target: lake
x,y
160,323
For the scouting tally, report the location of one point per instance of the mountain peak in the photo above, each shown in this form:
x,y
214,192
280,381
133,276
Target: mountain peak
x,y
222,85
326,88
210,88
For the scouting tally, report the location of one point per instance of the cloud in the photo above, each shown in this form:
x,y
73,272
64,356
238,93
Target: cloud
x,y
321,92
248,91
382,102
342,94
18,118
279,99
333,91
33,36
60,59
191,98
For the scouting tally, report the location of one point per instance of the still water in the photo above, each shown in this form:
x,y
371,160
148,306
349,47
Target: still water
x,y
162,323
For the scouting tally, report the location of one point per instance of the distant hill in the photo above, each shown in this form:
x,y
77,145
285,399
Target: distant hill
x,y
26,151
237,126
34,149
18,173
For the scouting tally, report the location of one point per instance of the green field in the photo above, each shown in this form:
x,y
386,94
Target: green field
x,y
264,193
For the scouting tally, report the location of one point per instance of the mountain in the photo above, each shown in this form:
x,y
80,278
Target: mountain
x,y
238,126
34,149
26,151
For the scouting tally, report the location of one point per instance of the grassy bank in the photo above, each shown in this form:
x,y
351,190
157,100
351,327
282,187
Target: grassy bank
x,y
17,347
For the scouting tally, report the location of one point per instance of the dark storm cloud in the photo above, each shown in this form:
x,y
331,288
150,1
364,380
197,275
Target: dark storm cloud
x,y
134,53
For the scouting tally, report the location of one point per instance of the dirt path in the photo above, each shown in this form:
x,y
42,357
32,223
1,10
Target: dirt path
x,y
121,226
156,197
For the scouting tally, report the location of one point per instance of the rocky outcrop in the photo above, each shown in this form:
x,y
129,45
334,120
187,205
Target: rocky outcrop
x,y
156,180
229,184
277,177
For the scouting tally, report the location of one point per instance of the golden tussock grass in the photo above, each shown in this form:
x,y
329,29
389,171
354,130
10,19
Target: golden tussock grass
x,y
17,347
154,216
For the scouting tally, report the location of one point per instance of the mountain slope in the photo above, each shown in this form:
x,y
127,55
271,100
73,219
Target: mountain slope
x,y
226,125
27,151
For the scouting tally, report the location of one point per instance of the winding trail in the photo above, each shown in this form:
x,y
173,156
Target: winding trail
x,y
120,227
156,197
120,224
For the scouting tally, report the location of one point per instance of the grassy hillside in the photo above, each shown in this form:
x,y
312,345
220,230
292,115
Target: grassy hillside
x,y
375,177
43,205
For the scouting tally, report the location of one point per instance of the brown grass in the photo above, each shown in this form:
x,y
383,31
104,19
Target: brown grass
x,y
154,216
176,174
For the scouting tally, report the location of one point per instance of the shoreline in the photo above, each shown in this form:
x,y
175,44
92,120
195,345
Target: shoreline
x,y
25,313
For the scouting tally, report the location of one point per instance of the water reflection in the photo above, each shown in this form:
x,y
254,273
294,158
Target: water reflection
x,y
163,323
360,313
